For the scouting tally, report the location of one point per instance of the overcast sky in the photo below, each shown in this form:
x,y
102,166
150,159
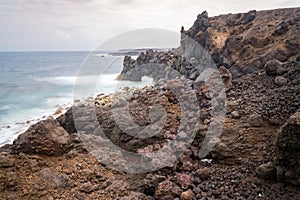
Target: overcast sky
x,y
32,25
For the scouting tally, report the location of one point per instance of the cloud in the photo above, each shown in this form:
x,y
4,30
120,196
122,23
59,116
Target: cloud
x,y
85,24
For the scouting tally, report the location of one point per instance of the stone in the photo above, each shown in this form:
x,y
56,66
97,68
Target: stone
x,y
289,136
292,176
281,70
87,188
11,179
187,195
5,161
151,181
281,28
203,173
226,77
46,138
288,150
298,58
280,81
58,111
255,120
54,180
184,180
167,190
267,171
235,114
248,17
272,67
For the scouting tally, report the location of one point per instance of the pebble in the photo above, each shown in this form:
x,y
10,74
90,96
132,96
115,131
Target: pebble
x,y
235,114
187,195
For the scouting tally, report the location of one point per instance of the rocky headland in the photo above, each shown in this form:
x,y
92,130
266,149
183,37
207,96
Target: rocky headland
x,y
256,156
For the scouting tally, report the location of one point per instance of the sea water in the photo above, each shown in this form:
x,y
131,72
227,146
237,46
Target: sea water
x,y
34,84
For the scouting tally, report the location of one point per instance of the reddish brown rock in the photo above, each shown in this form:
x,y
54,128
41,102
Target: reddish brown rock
x,y
46,137
167,190
187,195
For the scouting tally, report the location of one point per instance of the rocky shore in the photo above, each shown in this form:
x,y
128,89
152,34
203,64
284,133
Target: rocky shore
x,y
256,155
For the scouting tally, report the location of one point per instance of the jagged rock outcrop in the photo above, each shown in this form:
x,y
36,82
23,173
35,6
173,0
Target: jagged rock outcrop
x,y
128,73
288,150
244,43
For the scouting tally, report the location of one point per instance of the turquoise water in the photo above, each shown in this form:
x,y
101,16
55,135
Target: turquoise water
x,y
34,84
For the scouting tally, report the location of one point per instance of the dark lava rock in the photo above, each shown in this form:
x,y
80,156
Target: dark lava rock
x,y
248,17
203,173
255,120
281,28
280,81
288,150
272,67
289,137
267,171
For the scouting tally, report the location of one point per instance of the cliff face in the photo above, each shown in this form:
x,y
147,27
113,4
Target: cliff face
x,y
246,41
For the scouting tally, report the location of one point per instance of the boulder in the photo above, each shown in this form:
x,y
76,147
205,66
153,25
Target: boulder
x,y
289,136
280,81
281,28
202,173
248,17
5,161
255,120
267,171
272,67
54,180
45,138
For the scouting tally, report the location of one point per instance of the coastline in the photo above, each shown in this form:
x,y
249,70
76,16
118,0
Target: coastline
x,y
255,156
14,130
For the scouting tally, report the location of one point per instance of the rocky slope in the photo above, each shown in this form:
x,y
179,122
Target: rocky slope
x,y
255,157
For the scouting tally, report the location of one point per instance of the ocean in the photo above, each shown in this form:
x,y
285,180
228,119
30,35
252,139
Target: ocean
x,y
34,84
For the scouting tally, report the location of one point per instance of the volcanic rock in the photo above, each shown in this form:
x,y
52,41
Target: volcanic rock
x,y
45,138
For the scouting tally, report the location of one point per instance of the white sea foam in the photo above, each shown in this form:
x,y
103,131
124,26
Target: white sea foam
x,y
20,121
59,80
14,124
101,54
5,107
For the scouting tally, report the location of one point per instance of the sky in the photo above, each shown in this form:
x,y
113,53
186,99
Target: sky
x,y
57,25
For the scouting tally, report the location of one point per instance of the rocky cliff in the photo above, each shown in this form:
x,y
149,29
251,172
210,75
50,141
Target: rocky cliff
x,y
256,156
242,42
246,41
